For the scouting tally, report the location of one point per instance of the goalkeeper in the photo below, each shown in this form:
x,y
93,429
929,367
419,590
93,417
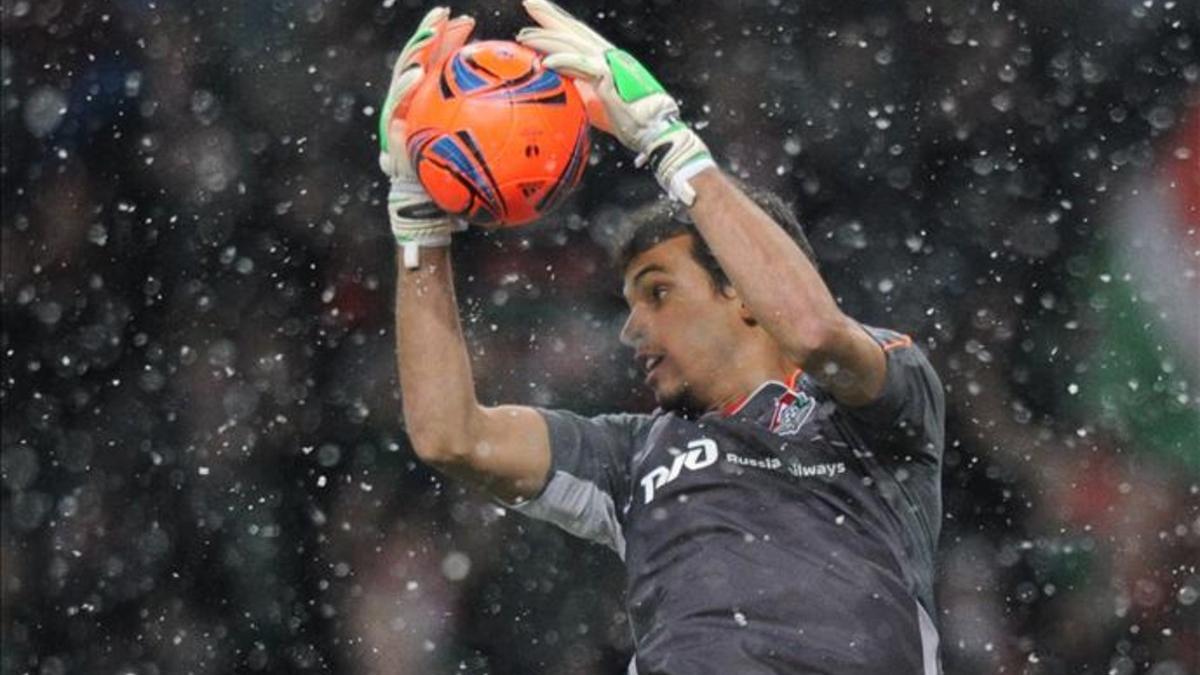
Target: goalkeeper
x,y
779,511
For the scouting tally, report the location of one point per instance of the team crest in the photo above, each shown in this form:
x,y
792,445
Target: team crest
x,y
792,410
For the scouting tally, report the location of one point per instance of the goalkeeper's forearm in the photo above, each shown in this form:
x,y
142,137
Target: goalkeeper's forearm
x,y
784,292
778,284
438,390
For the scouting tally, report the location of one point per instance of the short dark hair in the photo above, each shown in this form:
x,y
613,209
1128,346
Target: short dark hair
x,y
660,220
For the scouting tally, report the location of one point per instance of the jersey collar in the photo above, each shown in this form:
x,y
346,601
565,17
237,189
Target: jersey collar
x,y
736,407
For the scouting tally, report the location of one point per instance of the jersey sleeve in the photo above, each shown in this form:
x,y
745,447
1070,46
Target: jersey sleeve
x,y
589,474
910,411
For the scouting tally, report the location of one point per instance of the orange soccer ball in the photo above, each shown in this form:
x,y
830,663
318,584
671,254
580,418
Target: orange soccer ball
x,y
495,137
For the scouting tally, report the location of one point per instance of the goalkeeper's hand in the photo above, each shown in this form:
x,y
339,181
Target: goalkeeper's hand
x,y
416,221
637,110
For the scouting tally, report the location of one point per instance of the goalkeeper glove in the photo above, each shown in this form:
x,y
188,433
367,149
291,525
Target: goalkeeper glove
x,y
416,221
636,109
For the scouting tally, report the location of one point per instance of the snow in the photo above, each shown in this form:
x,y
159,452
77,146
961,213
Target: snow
x,y
204,466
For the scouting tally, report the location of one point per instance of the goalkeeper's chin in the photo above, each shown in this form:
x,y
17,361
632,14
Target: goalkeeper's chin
x,y
679,400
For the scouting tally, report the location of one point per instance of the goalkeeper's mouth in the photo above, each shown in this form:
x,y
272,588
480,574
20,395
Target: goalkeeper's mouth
x,y
650,364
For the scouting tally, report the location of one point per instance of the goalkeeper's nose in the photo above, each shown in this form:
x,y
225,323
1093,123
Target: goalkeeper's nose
x,y
633,332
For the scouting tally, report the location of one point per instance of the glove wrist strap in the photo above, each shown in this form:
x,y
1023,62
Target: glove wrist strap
x,y
675,157
416,221
679,185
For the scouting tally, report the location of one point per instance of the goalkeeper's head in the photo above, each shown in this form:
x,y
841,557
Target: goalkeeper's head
x,y
687,324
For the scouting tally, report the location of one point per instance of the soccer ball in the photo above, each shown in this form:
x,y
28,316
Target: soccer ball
x,y
495,137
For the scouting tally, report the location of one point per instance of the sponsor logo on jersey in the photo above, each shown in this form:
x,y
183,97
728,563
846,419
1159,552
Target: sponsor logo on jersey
x,y
826,470
703,453
821,470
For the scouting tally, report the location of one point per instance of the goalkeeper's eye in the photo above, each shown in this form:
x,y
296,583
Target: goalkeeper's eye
x,y
659,292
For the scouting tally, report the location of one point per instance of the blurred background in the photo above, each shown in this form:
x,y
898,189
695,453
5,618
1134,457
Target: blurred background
x,y
204,467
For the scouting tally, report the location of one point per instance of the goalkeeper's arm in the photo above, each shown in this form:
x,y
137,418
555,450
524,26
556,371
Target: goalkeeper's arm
x,y
776,282
784,291
506,449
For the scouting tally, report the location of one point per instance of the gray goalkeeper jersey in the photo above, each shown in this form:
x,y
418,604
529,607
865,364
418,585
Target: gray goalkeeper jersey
x,y
787,534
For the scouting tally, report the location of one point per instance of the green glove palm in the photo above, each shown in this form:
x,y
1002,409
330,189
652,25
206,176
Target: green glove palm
x,y
637,110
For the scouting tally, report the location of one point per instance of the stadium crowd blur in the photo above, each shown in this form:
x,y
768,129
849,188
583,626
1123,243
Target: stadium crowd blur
x,y
204,469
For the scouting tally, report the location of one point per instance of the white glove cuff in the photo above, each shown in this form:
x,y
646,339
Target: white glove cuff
x,y
676,157
680,185
416,221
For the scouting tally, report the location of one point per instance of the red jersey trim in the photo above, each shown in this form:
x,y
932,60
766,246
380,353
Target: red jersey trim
x,y
902,341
